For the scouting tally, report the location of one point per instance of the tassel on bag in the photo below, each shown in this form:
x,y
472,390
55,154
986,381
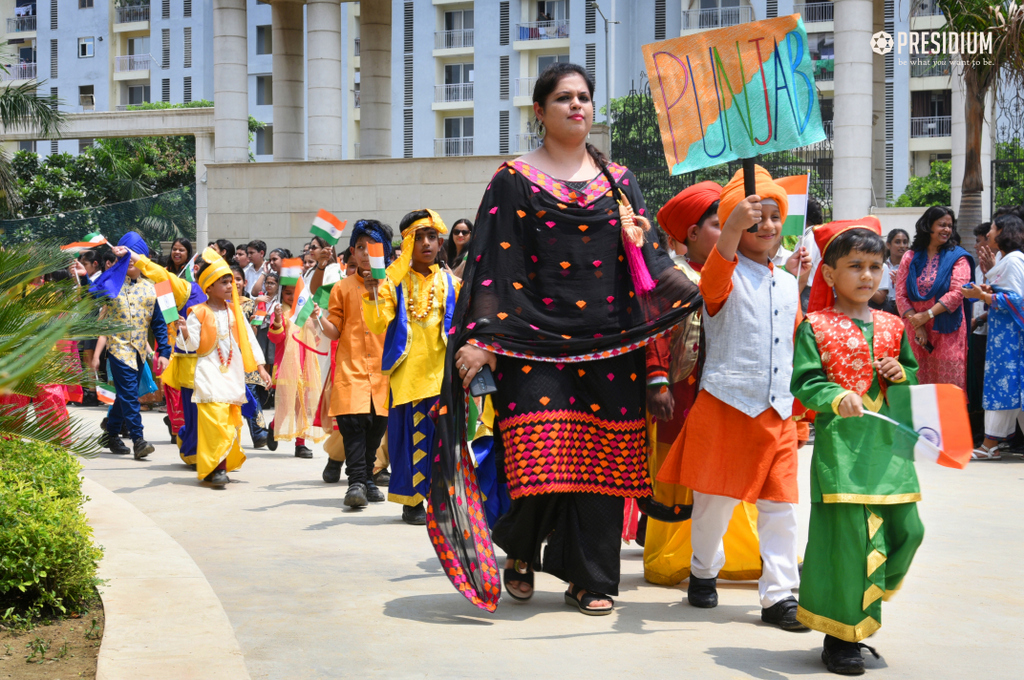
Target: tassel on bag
x,y
633,229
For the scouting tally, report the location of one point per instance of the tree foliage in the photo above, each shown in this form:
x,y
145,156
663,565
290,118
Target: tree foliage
x,y
931,189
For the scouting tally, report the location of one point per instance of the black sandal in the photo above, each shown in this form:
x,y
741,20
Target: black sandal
x,y
515,575
583,603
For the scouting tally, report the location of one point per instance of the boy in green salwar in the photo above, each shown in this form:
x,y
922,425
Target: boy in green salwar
x,y
864,526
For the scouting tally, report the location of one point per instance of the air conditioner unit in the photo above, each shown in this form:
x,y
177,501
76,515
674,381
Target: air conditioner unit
x,y
88,101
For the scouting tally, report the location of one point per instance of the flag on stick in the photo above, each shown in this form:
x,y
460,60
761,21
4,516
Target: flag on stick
x,y
936,416
328,227
322,297
291,271
260,314
797,189
93,240
165,299
302,305
105,393
188,272
378,268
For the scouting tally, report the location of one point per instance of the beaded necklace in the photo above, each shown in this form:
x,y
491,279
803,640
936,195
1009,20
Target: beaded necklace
x,y
224,365
410,303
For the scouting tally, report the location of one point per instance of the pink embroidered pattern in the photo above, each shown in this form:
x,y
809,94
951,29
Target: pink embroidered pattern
x,y
593,191
572,358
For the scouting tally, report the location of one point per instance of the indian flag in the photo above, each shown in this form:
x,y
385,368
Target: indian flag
x,y
936,415
165,299
322,297
91,241
260,314
188,272
291,271
796,188
328,227
378,268
106,393
302,304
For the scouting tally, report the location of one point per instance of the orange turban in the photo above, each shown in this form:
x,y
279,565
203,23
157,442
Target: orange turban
x,y
824,235
767,189
687,207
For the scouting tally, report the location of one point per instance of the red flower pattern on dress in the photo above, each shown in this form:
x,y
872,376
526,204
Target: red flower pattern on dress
x,y
845,354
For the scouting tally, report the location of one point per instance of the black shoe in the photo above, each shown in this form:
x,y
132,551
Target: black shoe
x,y
259,442
783,615
373,494
117,446
844,658
382,478
356,496
302,451
191,466
142,448
271,442
217,479
170,428
414,515
332,471
702,592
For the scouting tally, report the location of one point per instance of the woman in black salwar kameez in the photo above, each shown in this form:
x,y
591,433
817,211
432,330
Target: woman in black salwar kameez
x,y
559,305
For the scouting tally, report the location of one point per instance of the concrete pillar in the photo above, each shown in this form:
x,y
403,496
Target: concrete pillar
x,y
230,82
854,137
289,79
325,97
878,113
375,79
958,140
204,154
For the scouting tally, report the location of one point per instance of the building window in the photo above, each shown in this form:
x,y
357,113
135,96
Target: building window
x,y
458,137
552,10
264,90
265,141
84,4
186,89
138,46
27,146
264,40
187,48
548,59
458,30
187,8
85,48
138,94
87,97
84,144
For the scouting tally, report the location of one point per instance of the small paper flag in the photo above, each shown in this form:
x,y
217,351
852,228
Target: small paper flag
x,y
188,271
291,271
322,297
165,299
91,241
796,190
302,305
260,314
378,268
328,227
106,393
937,415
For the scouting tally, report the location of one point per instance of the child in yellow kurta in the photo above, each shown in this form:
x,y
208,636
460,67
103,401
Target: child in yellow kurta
x,y
226,350
413,306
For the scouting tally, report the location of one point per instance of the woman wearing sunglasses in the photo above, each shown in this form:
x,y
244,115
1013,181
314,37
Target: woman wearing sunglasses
x,y
457,249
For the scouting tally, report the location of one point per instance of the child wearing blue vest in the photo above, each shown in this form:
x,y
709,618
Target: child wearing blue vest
x,y
413,306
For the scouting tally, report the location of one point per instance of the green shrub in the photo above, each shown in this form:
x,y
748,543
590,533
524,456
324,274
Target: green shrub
x,y
47,558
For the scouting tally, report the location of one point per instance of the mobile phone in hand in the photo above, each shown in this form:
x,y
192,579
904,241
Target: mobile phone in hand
x,y
483,382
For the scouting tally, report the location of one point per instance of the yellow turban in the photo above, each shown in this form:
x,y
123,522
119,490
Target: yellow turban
x,y
733,193
217,269
400,267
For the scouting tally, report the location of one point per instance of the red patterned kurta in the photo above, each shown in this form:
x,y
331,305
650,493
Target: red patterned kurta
x,y
947,363
844,351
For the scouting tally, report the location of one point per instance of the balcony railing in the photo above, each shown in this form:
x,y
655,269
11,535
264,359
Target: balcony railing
x,y
827,127
460,92
446,40
21,24
543,30
524,86
355,52
926,8
716,17
814,12
132,62
524,143
24,71
356,93
924,66
930,126
130,15
824,69
453,146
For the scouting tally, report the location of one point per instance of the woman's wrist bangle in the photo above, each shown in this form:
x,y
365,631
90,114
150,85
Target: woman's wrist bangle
x,y
931,314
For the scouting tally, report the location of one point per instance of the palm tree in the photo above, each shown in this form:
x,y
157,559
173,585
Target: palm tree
x,y
21,109
33,319
1004,19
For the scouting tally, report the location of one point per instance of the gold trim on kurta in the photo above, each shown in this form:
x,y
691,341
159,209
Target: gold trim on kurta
x,y
875,560
874,405
889,593
868,499
413,500
839,398
871,595
836,629
874,524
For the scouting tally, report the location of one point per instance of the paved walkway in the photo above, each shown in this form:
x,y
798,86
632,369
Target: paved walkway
x,y
315,591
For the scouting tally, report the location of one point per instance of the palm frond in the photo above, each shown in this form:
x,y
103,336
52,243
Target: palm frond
x,y
22,109
10,200
21,423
